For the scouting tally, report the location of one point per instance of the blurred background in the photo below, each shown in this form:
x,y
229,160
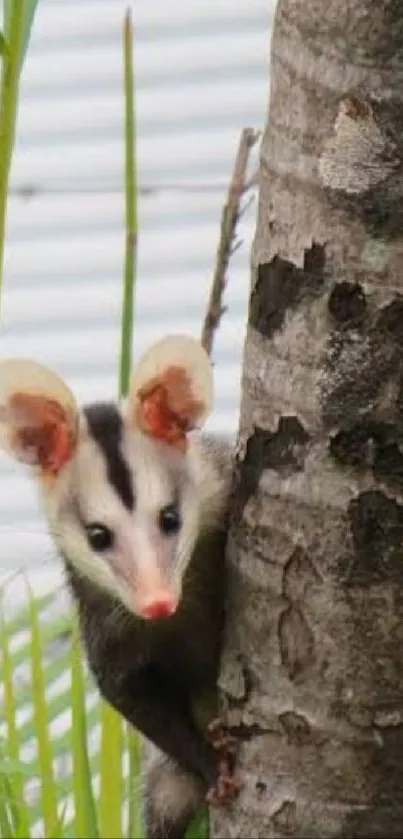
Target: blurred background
x,y
201,76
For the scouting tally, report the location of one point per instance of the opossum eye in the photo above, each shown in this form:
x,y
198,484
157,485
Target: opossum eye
x,y
99,537
169,519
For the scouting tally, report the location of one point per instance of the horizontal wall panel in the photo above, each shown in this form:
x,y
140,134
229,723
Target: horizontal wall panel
x,y
201,76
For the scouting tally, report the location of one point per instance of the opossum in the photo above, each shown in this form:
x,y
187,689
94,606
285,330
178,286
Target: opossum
x,y
137,499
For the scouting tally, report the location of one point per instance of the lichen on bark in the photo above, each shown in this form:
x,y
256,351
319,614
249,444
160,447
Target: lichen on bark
x,y
312,671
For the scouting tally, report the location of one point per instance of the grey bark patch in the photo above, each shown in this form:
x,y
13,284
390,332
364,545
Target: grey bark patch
x,y
355,369
360,165
285,818
377,529
374,445
283,450
390,320
298,576
347,303
281,285
296,641
296,727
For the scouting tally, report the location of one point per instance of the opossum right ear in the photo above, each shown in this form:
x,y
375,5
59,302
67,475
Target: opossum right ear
x,y
171,390
38,416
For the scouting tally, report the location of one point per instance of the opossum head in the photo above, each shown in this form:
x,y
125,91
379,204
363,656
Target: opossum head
x,y
121,486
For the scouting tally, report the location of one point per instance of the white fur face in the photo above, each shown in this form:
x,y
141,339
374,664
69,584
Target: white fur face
x,y
144,494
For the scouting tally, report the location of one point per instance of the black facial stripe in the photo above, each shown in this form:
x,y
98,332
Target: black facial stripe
x,y
106,427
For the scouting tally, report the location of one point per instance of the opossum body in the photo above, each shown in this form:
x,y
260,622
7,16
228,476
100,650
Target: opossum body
x,y
160,674
137,507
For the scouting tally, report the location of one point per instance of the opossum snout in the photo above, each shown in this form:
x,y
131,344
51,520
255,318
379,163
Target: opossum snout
x,y
155,592
162,605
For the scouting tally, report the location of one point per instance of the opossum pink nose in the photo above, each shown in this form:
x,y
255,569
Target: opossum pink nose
x,y
161,606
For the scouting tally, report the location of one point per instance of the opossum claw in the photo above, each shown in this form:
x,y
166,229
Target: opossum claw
x,y
225,790
220,738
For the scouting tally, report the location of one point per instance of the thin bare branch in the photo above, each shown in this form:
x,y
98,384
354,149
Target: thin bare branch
x,y
229,220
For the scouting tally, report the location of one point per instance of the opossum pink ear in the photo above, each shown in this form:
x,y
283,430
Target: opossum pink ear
x,y
171,390
38,416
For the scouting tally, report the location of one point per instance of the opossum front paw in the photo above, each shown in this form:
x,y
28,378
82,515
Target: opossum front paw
x,y
226,788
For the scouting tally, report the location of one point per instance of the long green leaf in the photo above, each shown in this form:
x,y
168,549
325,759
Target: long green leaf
x,y
111,775
130,276
7,828
28,14
86,824
62,743
135,827
53,670
47,780
200,827
58,830
130,265
10,74
21,620
13,745
51,633
54,707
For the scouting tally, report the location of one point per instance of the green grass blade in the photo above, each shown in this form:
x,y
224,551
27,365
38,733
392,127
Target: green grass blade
x,y
135,827
130,263
200,826
54,707
51,633
10,74
58,831
45,761
86,824
62,743
111,775
7,828
12,743
21,620
28,14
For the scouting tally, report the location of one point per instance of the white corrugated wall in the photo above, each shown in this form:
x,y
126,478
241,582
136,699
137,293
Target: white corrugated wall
x,y
201,75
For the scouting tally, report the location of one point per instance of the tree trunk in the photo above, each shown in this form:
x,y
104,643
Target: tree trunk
x,y
313,665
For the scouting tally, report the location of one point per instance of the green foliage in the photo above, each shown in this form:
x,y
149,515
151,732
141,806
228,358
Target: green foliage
x,y
54,784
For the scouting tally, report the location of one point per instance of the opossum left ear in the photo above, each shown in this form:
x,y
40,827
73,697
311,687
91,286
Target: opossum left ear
x,y
171,390
38,416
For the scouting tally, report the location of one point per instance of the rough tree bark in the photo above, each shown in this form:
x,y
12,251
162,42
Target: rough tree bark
x,y
313,666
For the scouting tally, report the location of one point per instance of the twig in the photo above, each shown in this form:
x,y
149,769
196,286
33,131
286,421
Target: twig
x,y
229,220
